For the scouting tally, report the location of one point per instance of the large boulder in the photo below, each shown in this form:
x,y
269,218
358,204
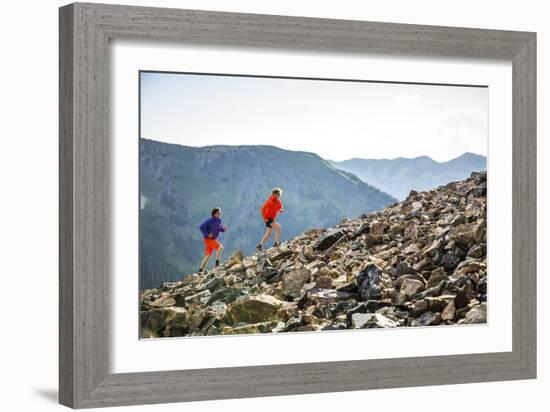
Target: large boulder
x,y
378,228
294,281
327,240
468,234
368,282
214,283
155,320
436,277
477,314
411,287
253,309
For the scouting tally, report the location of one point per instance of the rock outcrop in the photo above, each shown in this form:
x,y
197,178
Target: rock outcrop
x,y
420,262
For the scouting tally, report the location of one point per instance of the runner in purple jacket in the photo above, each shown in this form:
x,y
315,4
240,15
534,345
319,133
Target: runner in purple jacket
x,y
210,230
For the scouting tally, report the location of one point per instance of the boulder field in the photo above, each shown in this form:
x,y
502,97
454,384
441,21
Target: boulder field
x,y
419,262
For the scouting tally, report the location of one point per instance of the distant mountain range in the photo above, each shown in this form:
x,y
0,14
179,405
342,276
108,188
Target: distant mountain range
x,y
401,175
179,186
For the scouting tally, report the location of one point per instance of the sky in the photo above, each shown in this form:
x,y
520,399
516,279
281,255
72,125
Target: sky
x,y
335,119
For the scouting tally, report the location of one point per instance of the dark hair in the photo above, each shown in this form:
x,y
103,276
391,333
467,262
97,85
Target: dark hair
x,y
216,210
276,191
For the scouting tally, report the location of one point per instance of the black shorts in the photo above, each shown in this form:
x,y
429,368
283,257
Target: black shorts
x,y
269,223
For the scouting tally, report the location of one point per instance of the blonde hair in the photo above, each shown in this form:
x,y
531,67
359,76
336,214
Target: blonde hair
x,y
277,191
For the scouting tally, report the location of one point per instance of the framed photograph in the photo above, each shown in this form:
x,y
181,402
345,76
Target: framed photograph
x,y
259,205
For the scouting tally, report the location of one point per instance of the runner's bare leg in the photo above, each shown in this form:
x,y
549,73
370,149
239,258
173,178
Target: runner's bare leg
x,y
219,252
277,228
266,235
205,261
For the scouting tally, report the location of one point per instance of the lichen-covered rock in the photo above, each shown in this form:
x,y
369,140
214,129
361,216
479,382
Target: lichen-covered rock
x,y
253,309
226,295
155,320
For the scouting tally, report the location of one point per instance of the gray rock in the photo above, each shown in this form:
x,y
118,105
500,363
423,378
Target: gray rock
x,y
155,320
403,268
214,283
164,301
427,319
328,295
476,251
461,299
226,295
449,261
327,240
468,234
427,305
371,320
436,277
399,281
478,314
294,281
449,312
364,228
197,296
368,283
282,255
411,287
271,274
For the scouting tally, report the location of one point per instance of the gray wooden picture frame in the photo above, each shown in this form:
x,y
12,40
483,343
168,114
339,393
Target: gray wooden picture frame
x,y
85,31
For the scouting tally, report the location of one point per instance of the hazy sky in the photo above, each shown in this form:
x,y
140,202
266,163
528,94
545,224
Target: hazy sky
x,y
337,120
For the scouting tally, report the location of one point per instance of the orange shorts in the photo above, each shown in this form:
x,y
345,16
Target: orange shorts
x,y
211,245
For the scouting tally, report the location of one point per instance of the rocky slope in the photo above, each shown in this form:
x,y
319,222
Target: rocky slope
x,y
419,262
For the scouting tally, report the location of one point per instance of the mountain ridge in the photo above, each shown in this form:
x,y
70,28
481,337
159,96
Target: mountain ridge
x,y
179,185
400,175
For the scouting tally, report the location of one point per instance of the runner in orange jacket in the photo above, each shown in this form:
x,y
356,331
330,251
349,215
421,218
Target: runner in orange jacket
x,y
270,209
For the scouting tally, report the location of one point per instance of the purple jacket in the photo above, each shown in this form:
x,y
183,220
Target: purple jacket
x,y
213,226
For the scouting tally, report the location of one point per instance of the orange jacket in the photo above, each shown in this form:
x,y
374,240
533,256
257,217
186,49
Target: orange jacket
x,y
271,207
